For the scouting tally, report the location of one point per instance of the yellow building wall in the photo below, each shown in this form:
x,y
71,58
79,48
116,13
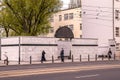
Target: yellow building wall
x,y
76,21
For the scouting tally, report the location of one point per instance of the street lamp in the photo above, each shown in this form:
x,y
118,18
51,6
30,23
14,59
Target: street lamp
x,y
113,5
0,42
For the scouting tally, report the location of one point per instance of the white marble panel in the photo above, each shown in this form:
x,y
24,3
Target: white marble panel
x,y
10,40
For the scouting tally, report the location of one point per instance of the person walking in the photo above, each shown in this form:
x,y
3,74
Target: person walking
x,y
62,55
43,56
109,53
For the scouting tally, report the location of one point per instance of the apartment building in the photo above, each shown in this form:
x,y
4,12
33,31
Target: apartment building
x,y
70,18
101,19
117,23
74,3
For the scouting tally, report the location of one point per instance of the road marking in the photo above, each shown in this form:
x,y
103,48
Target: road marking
x,y
87,76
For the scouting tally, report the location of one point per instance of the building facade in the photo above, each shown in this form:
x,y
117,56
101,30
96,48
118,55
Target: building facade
x,y
117,23
70,18
22,48
101,20
74,3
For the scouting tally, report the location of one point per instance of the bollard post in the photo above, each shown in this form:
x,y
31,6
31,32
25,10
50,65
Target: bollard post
x,y
102,57
80,58
72,59
30,59
119,57
108,58
88,57
96,57
19,61
52,59
6,61
114,57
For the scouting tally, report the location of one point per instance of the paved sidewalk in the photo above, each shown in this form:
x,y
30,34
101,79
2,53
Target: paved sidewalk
x,y
28,62
50,61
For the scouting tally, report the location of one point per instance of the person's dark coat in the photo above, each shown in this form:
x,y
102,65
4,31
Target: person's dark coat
x,y
109,53
43,56
62,55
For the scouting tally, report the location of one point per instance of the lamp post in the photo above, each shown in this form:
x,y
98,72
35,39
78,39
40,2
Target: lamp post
x,y
19,52
0,42
113,5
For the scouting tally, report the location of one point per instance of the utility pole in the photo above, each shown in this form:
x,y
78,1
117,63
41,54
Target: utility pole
x,y
0,42
19,56
113,20
113,7
0,45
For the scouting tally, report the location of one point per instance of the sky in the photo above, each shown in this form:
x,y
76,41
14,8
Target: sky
x,y
65,3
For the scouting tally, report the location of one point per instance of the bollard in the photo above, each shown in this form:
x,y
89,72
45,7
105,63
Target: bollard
x,y
72,59
114,57
96,57
88,57
108,58
19,61
119,57
30,59
102,57
52,59
80,58
6,62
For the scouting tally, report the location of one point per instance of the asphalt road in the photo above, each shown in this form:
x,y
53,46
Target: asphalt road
x,y
100,70
54,65
102,74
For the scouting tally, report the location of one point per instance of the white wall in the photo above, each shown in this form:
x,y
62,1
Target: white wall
x,y
10,40
97,20
84,47
10,48
33,46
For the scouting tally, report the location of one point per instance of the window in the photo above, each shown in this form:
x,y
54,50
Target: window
x,y
80,26
117,31
117,46
60,17
117,14
52,19
65,16
80,14
60,26
71,26
70,15
117,0
80,36
51,30
65,26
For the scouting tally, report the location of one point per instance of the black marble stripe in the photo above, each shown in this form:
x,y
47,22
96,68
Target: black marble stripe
x,y
83,45
112,45
6,45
